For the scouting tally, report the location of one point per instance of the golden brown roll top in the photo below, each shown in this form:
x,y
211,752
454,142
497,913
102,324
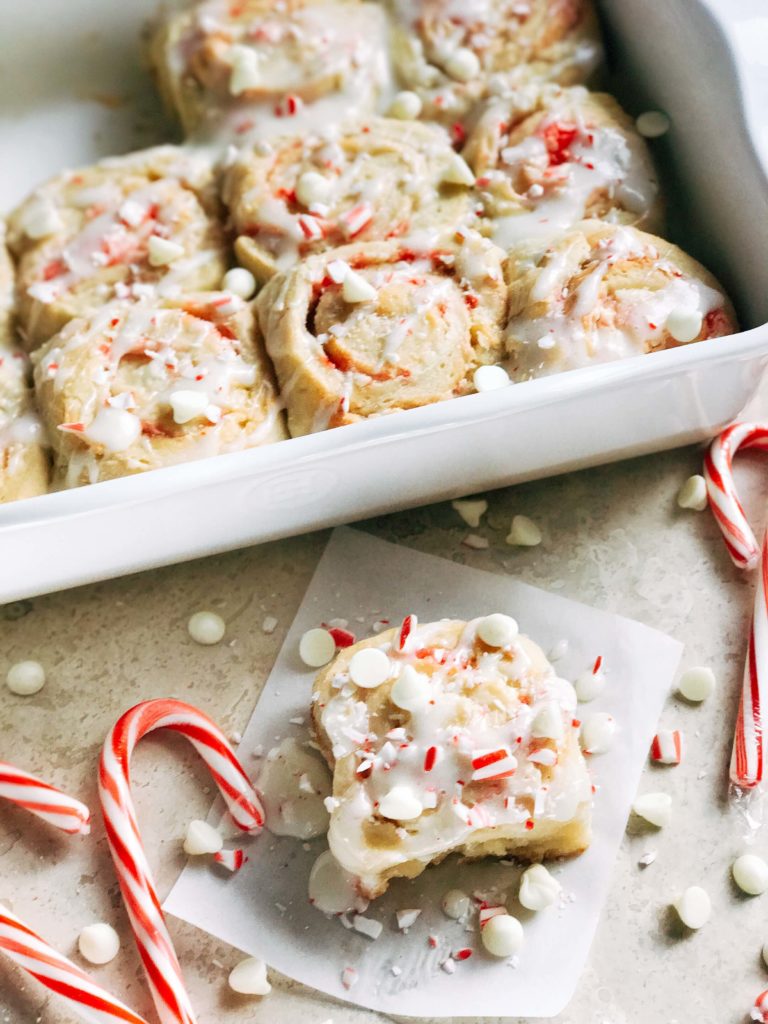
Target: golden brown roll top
x,y
303,195
547,157
143,385
372,328
129,227
603,292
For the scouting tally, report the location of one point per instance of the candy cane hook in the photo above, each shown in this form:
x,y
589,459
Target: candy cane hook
x,y
45,801
139,892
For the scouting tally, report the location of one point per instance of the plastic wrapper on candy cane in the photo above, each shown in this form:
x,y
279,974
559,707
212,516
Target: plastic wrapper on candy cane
x,y
21,944
139,892
747,761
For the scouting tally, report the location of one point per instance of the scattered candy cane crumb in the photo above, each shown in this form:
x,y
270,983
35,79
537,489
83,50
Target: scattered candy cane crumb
x,y
524,533
471,510
367,926
232,860
449,966
476,542
269,625
647,859
406,918
396,971
693,494
667,747
349,978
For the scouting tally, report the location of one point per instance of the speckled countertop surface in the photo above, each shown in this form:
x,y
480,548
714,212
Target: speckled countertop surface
x,y
613,537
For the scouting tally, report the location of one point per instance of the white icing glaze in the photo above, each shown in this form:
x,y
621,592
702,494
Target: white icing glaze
x,y
294,784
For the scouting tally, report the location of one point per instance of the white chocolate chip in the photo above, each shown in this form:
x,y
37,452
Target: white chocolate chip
x,y
98,943
458,172
503,935
471,510
490,378
338,270
655,808
316,648
163,251
206,628
369,668
589,685
312,187
187,405
497,630
462,65
548,722
41,220
694,907
538,888
356,289
653,124
410,691
202,838
455,904
696,684
406,106
25,678
114,429
239,282
524,532
400,804
245,70
597,733
249,978
750,873
693,493
684,325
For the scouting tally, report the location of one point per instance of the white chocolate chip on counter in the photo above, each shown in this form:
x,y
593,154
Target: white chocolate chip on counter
x,y
696,684
471,510
502,936
25,678
400,804
332,890
462,65
202,838
98,943
312,187
245,70
249,978
693,907
750,873
369,668
490,378
498,630
239,282
655,808
653,124
538,888
410,691
187,405
406,106
356,289
693,494
597,733
684,325
206,628
455,904
458,172
163,251
317,647
523,533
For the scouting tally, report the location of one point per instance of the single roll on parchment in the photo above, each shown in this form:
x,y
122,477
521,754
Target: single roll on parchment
x,y
454,53
128,227
603,292
546,157
382,179
230,69
372,328
143,385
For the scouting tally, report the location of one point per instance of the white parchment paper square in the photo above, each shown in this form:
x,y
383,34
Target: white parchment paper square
x,y
263,909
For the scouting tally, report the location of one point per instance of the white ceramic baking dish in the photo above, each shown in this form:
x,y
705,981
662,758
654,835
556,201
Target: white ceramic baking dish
x,y
704,61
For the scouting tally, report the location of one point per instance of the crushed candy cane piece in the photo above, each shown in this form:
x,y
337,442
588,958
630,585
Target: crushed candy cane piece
x,y
269,625
449,965
667,746
342,637
408,625
488,765
647,859
487,912
367,926
406,918
232,860
349,977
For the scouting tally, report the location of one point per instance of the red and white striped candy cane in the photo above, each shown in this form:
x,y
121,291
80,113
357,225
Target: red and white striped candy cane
x,y
748,759
721,489
85,998
133,871
45,801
